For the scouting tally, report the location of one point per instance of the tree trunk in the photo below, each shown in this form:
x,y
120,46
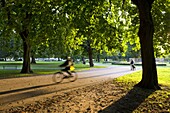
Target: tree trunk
x,y
33,59
83,60
26,67
90,56
98,57
106,59
146,30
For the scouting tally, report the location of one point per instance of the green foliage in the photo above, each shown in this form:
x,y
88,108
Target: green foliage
x,y
59,28
161,14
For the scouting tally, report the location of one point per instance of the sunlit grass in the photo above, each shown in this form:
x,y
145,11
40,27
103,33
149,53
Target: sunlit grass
x,y
157,101
163,76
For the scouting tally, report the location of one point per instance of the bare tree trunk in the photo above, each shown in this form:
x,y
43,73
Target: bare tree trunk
x,y
146,30
26,67
98,57
106,59
90,53
83,60
33,59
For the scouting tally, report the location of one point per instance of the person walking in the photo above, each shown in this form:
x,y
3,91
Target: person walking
x,y
132,65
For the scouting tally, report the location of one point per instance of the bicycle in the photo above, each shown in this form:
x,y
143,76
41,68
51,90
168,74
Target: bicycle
x,y
61,75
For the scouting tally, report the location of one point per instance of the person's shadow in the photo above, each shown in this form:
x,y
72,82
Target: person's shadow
x,y
129,102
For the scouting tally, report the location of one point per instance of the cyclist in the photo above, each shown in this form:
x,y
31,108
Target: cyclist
x,y
68,64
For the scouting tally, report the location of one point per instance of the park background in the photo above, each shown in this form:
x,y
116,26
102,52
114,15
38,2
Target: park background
x,y
107,29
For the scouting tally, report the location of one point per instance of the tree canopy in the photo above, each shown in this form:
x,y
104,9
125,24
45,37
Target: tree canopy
x,y
56,29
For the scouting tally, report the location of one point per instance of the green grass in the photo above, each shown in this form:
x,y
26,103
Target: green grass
x,y
163,76
147,101
40,68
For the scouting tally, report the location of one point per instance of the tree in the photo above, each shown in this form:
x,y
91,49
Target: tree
x,y
146,30
32,20
98,23
132,52
10,45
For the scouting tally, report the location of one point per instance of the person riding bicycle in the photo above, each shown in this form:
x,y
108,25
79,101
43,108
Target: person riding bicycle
x,y
67,64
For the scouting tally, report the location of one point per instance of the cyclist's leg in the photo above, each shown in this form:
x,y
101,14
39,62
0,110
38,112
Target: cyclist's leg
x,y
64,70
68,72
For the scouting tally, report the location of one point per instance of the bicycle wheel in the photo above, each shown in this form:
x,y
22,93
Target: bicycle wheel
x,y
58,77
73,76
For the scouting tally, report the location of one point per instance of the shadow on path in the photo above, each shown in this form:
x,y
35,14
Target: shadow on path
x,y
27,88
29,92
39,86
129,102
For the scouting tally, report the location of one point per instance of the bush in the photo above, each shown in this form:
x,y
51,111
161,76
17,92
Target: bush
x,y
1,59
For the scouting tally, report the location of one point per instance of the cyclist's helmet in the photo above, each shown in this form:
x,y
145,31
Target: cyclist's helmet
x,y
68,58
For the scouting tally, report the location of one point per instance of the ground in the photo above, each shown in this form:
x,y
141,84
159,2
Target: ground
x,y
105,97
94,93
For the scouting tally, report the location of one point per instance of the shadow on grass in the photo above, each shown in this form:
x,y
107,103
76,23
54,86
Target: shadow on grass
x,y
129,102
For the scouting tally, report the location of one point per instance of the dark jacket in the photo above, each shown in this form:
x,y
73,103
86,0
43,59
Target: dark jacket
x,y
132,62
67,64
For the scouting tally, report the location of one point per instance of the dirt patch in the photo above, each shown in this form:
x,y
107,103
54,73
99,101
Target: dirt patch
x,y
106,97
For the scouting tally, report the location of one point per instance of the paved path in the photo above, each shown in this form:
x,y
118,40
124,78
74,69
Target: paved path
x,y
17,91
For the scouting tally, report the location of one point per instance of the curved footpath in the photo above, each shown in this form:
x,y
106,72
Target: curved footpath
x,y
92,92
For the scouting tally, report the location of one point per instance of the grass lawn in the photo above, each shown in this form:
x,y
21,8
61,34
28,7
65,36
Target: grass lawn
x,y
145,100
40,68
163,76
